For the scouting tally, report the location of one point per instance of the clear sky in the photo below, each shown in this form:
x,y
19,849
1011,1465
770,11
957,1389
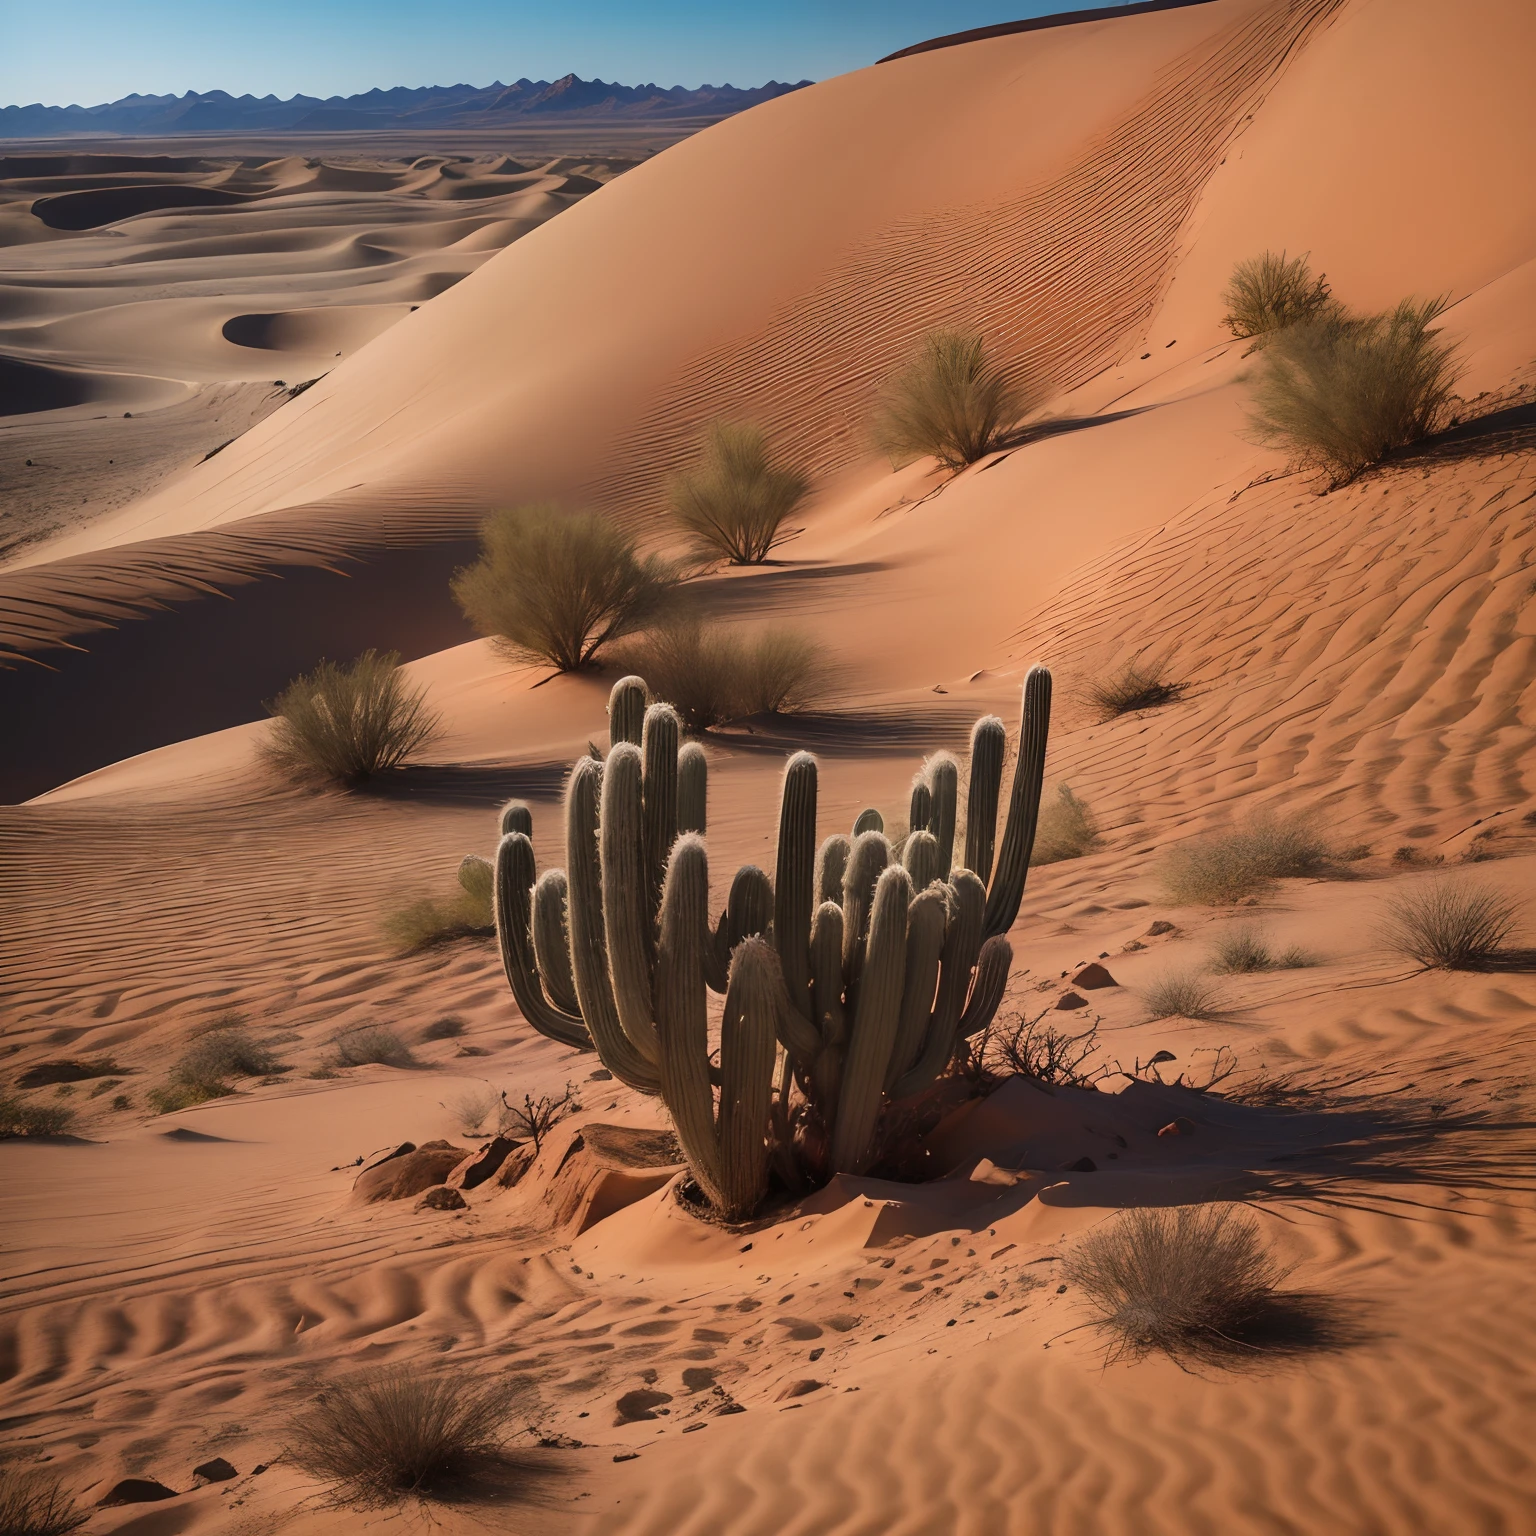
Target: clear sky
x,y
89,51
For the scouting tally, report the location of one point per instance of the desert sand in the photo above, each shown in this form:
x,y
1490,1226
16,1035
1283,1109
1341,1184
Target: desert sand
x,y
905,1357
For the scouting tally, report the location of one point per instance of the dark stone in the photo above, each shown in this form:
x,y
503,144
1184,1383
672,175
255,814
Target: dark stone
x,y
1183,1126
601,1075
1082,1165
476,1169
1161,926
442,1199
1092,977
1071,1000
216,1471
802,1388
642,1403
136,1490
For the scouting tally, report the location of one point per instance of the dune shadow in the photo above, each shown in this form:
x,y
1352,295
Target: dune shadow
x,y
1060,426
850,732
1510,430
526,1477
469,784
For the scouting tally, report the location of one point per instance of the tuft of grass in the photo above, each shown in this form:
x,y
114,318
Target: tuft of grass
x,y
36,1503
949,402
736,501
1271,293
710,675
379,1438
1066,830
121,1101
472,1109
370,1045
1139,684
1224,867
1182,995
427,921
347,723
1188,1281
557,586
1340,393
224,1050
1451,923
21,1117
1243,950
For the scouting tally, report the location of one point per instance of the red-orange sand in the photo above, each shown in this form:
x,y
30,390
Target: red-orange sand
x,y
1081,193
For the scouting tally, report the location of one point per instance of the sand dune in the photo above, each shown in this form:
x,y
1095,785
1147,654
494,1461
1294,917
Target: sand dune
x,y
904,1356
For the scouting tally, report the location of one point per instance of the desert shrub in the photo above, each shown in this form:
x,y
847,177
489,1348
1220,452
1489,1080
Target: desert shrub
x,y
121,1101
1269,293
556,586
1182,995
949,402
472,1109
1339,393
1188,1280
430,920
534,1118
21,1117
349,723
36,1503
1021,1047
380,1437
371,1045
1243,950
1139,684
1451,923
223,1051
735,502
1227,866
449,1027
1066,829
710,674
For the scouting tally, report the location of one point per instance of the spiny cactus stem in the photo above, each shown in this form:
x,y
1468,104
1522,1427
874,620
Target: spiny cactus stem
x,y
659,747
927,919
944,785
989,744
552,940
1023,807
626,910
870,855
692,788
754,1002
516,817
987,990
514,872
626,710
831,866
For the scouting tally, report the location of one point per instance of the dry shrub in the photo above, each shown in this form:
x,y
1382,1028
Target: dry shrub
x,y
20,1117
428,921
36,1503
556,586
1269,293
1243,950
402,1431
1139,684
709,674
949,402
472,1109
348,723
1340,393
735,503
1224,867
224,1050
534,1118
1451,924
371,1045
1066,830
1020,1047
1182,995
449,1027
1189,1280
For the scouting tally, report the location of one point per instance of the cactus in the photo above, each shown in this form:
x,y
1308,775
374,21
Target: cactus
x,y
867,968
515,817
476,878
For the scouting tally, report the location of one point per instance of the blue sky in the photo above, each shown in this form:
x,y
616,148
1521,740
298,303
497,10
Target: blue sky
x,y
89,51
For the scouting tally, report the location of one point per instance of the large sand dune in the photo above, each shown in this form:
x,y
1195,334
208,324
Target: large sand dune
x,y
1367,657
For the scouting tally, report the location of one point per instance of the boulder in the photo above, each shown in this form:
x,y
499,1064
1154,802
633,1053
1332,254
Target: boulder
x,y
516,1163
1092,977
642,1403
1071,1000
608,1167
135,1490
216,1471
403,1174
481,1165
1183,1126
1160,927
441,1198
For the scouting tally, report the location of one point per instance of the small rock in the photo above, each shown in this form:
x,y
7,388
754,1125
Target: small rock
x,y
1133,946
817,1353
1071,1000
688,1429
135,1490
601,1075
216,1471
442,1199
987,1172
1180,1127
1092,977
1082,1165
642,1403
627,1456
801,1388
1161,926
725,1408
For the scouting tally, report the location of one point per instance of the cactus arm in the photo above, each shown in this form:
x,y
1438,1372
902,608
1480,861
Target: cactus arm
x,y
552,941
626,710
920,813
589,947
868,820
831,866
1023,807
794,880
754,1001
514,876
748,912
692,788
477,878
927,919
626,910
658,748
987,990
920,855
989,743
869,858
826,1070
516,817
680,1014
875,1021
944,786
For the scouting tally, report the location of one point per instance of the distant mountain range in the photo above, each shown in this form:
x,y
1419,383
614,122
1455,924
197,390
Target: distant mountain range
x,y
432,106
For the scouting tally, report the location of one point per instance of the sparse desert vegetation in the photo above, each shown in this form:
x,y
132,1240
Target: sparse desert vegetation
x,y
1339,393
26,1117
1451,923
735,501
225,1050
1245,949
371,1045
1226,866
471,1109
1016,1046
1142,683
1066,829
556,585
1182,994
430,920
1271,293
710,674
348,723
402,1431
950,402
35,1502
1189,1281
534,1118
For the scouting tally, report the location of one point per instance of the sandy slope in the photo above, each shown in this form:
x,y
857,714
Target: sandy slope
x,y
1367,657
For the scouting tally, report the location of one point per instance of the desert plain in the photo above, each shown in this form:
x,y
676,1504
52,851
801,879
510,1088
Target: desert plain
x,y
265,430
